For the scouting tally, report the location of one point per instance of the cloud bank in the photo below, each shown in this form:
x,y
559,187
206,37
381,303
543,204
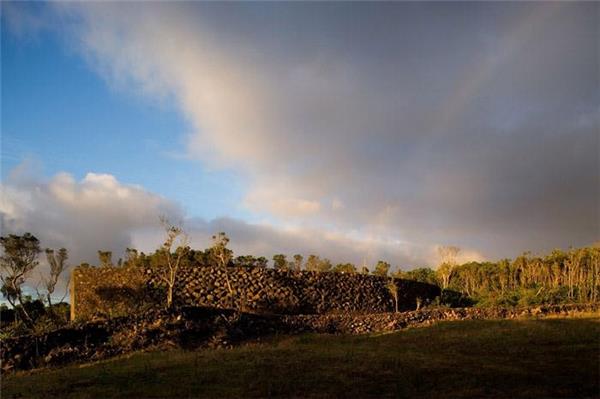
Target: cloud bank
x,y
100,213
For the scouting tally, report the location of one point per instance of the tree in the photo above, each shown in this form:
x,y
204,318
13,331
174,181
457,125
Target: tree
x,y
594,277
344,268
219,251
503,275
279,261
393,289
131,256
17,262
249,261
447,255
105,258
325,265
422,274
312,263
298,262
381,269
171,262
315,264
57,266
261,261
445,271
222,256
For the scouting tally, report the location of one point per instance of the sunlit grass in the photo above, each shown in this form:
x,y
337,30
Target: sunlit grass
x,y
519,358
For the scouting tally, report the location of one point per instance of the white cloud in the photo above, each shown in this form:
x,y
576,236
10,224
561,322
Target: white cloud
x,y
95,213
277,204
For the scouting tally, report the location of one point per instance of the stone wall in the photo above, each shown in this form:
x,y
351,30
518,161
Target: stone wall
x,y
110,291
295,292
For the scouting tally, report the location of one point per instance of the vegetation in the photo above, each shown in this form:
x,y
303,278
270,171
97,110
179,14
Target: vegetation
x,y
508,358
297,264
17,263
169,262
57,262
344,268
44,317
105,258
448,256
560,277
247,261
422,274
381,269
222,256
393,289
315,264
280,261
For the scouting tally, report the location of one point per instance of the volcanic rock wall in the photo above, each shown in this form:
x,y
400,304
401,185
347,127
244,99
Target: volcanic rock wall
x,y
119,291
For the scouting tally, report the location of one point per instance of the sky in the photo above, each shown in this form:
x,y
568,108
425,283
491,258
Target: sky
x,y
356,131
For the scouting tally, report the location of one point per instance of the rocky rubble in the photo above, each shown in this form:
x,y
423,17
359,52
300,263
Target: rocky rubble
x,y
197,327
382,322
187,328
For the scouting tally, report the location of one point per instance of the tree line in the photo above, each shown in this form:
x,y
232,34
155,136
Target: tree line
x,y
560,276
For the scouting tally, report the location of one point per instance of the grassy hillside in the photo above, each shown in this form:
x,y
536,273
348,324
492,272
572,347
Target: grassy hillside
x,y
521,358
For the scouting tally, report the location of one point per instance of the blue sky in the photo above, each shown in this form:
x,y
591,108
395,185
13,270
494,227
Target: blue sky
x,y
357,131
61,115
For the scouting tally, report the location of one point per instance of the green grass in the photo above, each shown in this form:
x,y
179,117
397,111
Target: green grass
x,y
520,358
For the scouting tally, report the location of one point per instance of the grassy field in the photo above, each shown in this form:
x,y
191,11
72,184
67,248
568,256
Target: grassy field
x,y
523,358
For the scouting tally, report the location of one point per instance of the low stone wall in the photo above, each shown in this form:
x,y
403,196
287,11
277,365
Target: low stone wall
x,y
192,328
186,328
386,322
57,347
110,291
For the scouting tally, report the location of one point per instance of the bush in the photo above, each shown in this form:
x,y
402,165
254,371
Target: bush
x,y
14,329
525,297
454,299
508,299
